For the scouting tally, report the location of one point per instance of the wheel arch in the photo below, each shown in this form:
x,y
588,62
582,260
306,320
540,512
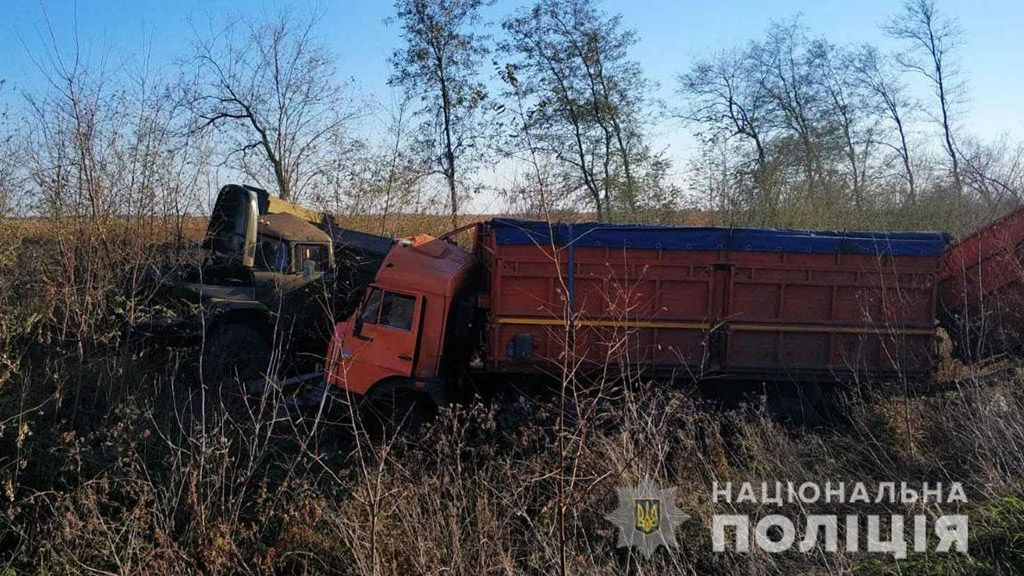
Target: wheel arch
x,y
432,390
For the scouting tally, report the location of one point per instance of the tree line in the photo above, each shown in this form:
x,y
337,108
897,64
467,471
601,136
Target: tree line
x,y
792,129
795,129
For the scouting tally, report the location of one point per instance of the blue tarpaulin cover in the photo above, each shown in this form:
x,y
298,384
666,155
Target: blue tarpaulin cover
x,y
646,236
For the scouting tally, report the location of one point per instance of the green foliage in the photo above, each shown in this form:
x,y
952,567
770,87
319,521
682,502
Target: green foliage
x,y
997,534
995,546
439,65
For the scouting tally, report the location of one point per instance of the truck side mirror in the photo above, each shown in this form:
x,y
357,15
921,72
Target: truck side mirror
x,y
357,329
308,268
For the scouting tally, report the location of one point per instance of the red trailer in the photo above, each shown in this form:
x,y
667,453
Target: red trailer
x,y
728,303
981,289
767,304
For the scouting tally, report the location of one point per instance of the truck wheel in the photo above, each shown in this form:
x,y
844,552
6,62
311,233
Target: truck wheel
x,y
234,351
392,411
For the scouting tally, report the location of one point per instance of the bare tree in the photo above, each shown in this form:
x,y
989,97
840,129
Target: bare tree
x,y
387,176
726,100
934,36
106,158
825,130
439,65
9,160
877,77
533,196
847,112
269,90
790,106
994,173
795,92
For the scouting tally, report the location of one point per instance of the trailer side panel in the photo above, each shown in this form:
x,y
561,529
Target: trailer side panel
x,y
761,304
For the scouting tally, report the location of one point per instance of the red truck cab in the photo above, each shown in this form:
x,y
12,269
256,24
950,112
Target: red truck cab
x,y
398,335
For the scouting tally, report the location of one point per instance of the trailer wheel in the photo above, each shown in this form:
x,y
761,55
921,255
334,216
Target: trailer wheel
x,y
234,351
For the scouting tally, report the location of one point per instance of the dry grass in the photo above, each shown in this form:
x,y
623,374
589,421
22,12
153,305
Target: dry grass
x,y
160,478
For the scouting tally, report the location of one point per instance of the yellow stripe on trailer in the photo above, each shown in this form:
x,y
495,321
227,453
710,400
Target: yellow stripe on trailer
x,y
604,323
740,327
819,329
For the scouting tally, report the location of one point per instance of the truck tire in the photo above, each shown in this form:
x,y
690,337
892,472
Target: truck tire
x,y
233,351
390,411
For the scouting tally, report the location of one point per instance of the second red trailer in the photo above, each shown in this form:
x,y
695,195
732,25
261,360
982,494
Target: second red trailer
x,y
981,289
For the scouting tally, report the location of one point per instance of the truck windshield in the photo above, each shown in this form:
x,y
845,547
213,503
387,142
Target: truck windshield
x,y
372,309
396,310
389,309
271,254
317,253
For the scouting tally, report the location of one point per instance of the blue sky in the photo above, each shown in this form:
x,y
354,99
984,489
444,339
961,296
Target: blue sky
x,y
672,35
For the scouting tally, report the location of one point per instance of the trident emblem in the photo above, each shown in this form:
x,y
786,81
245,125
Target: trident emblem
x,y
648,515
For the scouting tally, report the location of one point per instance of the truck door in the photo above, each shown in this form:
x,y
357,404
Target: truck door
x,y
385,340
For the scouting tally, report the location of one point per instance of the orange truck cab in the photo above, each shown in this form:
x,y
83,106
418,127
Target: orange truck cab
x,y
416,318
